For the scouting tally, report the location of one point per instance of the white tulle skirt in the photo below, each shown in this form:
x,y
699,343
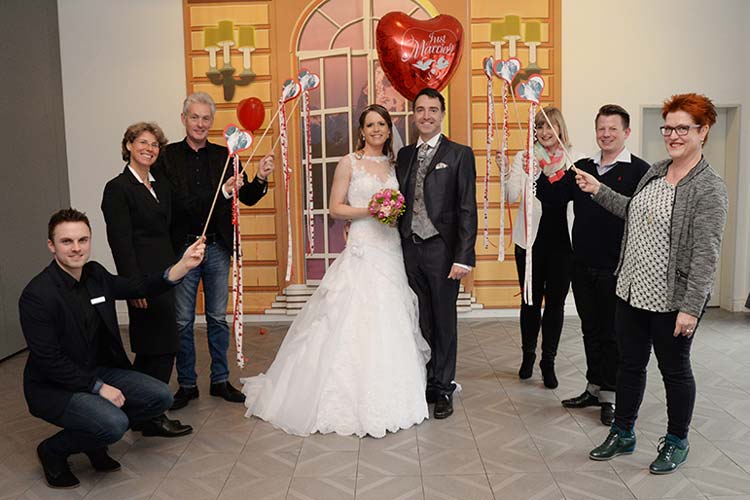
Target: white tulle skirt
x,y
353,361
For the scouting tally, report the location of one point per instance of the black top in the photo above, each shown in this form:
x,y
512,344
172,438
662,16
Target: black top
x,y
81,303
194,177
597,233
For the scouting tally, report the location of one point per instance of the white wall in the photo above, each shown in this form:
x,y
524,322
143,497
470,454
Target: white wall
x,y
639,52
122,62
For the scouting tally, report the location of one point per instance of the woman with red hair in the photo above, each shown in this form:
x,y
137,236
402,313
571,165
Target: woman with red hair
x,y
673,227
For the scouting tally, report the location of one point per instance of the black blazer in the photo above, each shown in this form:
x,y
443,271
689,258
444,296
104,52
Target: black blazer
x,y
449,195
184,208
138,234
58,346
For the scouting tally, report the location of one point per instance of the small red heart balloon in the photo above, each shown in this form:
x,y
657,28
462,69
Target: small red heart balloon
x,y
416,54
250,113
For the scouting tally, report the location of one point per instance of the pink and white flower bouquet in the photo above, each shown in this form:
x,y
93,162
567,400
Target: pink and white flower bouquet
x,y
387,205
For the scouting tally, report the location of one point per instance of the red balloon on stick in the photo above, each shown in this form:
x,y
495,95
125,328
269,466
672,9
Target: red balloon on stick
x,y
415,54
250,113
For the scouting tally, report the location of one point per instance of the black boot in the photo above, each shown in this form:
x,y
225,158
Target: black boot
x,y
527,366
547,365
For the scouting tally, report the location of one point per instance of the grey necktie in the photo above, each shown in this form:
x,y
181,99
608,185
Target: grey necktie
x,y
421,225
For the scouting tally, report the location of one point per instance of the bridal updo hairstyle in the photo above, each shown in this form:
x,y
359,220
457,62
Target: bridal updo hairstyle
x,y
388,144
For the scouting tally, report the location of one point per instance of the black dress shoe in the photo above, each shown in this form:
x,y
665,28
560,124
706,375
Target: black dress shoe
x,y
608,413
183,396
582,401
101,461
57,473
164,427
444,406
226,391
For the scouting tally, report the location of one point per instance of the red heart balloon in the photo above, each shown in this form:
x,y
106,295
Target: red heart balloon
x,y
250,113
416,54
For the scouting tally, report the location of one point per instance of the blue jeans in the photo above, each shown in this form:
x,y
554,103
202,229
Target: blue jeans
x,y
91,422
214,271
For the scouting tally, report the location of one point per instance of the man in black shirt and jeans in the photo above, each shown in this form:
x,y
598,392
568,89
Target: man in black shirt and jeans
x,y
597,235
194,169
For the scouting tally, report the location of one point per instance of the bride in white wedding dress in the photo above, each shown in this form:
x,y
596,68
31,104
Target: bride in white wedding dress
x,y
353,360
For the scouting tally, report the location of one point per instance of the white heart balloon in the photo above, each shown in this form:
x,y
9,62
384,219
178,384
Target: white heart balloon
x,y
531,89
507,69
237,140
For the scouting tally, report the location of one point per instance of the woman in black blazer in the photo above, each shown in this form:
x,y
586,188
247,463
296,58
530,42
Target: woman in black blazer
x,y
137,210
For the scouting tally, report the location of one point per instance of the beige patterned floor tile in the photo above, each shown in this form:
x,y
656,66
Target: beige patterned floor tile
x,y
209,464
125,486
265,437
645,485
266,463
149,461
403,439
326,463
592,485
442,461
389,488
181,488
322,488
242,487
12,489
515,455
525,486
400,462
216,441
724,478
330,442
452,487
23,464
736,450
446,435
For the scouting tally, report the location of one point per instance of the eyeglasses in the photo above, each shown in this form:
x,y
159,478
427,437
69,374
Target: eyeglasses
x,y
680,129
155,145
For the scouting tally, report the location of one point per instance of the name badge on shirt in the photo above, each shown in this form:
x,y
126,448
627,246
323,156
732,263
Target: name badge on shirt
x,y
97,300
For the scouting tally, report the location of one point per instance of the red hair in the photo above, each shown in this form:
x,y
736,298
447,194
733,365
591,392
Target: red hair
x,y
698,106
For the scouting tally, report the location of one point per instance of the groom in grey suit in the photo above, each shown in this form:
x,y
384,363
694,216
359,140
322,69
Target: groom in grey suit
x,y
438,232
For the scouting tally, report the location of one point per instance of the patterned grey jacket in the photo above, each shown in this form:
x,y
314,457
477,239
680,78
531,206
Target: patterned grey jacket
x,y
698,218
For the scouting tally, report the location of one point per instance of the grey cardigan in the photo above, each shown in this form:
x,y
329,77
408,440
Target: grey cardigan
x,y
699,214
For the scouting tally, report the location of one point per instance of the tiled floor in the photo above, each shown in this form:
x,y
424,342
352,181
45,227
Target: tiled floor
x,y
507,439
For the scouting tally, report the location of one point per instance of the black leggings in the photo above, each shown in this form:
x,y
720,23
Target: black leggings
x,y
637,330
550,278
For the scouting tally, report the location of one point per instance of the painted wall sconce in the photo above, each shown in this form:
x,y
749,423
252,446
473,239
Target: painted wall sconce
x,y
509,30
221,38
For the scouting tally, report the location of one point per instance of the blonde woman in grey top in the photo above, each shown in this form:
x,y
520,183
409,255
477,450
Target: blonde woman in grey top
x,y
674,225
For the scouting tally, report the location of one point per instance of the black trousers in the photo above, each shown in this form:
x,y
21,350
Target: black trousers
x,y
594,293
428,264
637,331
158,366
550,279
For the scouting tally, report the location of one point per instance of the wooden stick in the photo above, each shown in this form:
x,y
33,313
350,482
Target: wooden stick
x,y
216,196
565,150
515,106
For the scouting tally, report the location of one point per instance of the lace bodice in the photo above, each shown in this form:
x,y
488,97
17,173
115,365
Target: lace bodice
x,y
370,175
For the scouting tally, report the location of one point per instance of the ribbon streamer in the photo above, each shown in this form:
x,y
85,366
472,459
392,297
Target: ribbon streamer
x,y
488,164
287,171
529,195
503,171
308,171
237,285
